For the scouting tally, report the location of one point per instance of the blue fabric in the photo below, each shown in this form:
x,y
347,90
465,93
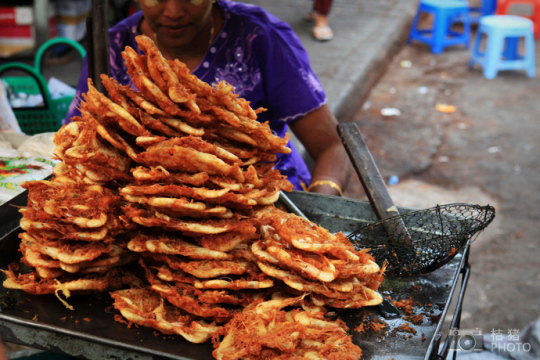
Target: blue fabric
x,y
256,53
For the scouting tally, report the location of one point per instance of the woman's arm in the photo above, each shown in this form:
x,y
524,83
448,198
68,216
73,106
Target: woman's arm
x,y
317,132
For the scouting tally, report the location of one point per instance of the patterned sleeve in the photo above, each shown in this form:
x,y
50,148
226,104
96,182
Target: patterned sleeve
x,y
292,87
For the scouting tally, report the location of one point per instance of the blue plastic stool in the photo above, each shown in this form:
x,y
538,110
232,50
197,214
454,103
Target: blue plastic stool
x,y
440,35
502,46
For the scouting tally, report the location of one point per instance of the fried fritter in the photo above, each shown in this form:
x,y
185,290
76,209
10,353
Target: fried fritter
x,y
32,284
145,307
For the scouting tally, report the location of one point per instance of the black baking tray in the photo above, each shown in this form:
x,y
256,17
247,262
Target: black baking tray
x,y
90,331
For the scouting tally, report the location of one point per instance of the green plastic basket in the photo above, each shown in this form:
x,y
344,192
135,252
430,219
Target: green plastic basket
x,y
46,118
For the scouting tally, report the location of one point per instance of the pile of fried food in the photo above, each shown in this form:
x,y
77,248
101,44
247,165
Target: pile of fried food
x,y
177,181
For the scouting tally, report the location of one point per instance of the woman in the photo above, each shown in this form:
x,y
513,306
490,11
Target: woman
x,y
261,57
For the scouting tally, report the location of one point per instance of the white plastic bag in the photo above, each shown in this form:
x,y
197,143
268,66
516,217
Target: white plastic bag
x,y
40,145
8,121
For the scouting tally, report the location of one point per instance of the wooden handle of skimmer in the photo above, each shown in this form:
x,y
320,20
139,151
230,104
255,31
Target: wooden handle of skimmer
x,y
372,181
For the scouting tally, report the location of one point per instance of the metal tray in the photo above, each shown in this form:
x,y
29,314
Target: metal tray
x,y
90,332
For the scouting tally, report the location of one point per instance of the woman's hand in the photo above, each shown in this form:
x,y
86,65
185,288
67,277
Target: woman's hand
x,y
317,132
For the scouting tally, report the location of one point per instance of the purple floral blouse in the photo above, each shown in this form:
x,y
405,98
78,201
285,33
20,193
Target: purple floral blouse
x,y
256,53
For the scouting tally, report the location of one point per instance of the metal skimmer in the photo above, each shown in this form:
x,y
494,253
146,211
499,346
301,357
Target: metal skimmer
x,y
416,242
437,235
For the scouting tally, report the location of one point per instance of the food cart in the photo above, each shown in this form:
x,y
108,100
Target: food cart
x,y
91,332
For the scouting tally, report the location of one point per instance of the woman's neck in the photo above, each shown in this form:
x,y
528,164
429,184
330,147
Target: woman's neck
x,y
191,54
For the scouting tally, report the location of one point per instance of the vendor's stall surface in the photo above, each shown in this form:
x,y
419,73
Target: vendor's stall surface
x,y
90,331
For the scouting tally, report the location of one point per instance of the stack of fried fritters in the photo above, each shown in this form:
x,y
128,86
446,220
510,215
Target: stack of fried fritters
x,y
72,239
180,176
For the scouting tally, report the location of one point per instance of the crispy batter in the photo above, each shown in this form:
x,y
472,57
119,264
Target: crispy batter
x,y
86,147
352,268
69,252
156,125
182,126
245,282
106,132
31,283
210,213
184,297
210,196
226,241
160,174
221,94
251,279
35,259
65,137
48,273
181,207
189,228
140,75
77,199
275,334
67,232
67,174
125,91
76,211
312,266
164,77
166,273
365,297
123,118
174,191
173,246
308,236
179,158
301,284
145,307
213,268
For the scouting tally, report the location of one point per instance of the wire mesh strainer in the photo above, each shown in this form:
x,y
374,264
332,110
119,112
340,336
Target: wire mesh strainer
x,y
437,234
415,242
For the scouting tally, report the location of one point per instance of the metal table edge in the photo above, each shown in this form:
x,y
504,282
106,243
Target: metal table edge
x,y
431,348
100,341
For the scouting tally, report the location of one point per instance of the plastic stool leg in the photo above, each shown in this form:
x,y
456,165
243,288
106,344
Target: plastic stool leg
x,y
493,54
511,50
475,55
529,55
467,30
488,7
440,24
414,27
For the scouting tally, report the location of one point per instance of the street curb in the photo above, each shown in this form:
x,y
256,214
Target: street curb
x,y
359,80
